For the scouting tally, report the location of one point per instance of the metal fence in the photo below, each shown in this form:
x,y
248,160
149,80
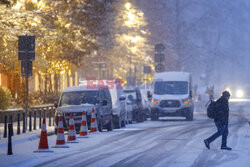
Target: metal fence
x,y
34,118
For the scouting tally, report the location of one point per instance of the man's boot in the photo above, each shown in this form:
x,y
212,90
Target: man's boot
x,y
207,144
225,148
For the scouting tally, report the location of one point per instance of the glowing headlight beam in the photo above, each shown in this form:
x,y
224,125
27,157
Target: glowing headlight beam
x,y
239,93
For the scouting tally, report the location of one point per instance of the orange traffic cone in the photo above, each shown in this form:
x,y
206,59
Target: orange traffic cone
x,y
60,140
84,126
93,122
72,131
43,144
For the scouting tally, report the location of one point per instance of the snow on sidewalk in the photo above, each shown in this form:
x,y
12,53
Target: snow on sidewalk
x,y
25,144
23,137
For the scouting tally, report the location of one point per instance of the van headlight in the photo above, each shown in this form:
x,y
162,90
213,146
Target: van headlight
x,y
239,93
155,101
185,101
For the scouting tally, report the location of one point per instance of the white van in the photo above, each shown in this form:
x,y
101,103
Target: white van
x,y
172,95
108,103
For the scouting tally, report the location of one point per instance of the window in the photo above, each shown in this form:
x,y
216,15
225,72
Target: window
x,y
78,98
171,87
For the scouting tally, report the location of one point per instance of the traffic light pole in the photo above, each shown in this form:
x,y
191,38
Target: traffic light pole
x,y
27,87
26,54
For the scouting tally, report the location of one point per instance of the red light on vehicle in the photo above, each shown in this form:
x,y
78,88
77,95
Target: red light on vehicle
x,y
186,102
155,102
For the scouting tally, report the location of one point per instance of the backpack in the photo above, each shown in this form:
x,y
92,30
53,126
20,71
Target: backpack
x,y
211,109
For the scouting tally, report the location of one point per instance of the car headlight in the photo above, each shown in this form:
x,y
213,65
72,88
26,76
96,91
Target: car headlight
x,y
185,101
239,93
155,101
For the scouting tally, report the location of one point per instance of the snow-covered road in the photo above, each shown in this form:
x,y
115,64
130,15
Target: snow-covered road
x,y
168,142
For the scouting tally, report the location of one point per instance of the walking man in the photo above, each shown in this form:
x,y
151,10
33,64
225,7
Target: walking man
x,y
221,121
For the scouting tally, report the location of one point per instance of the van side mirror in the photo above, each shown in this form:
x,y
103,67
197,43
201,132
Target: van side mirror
x,y
122,97
129,102
104,102
149,95
55,104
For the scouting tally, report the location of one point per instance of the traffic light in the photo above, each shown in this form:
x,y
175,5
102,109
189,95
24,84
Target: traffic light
x,y
26,48
159,58
26,54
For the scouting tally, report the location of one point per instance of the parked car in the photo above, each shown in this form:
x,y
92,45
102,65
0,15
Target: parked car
x,y
119,112
146,100
172,95
77,99
129,111
114,89
134,96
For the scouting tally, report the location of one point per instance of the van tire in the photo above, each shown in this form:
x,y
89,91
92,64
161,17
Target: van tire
x,y
140,117
154,115
123,124
117,122
110,125
190,115
100,124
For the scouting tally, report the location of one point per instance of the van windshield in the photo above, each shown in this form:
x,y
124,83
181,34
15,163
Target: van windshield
x,y
171,87
78,98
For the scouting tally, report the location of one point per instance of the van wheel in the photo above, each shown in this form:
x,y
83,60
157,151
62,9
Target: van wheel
x,y
110,126
140,117
134,116
117,122
100,125
123,124
190,116
144,117
154,115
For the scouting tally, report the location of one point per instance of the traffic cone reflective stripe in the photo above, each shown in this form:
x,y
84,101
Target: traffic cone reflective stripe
x,y
43,143
60,140
93,122
84,127
72,132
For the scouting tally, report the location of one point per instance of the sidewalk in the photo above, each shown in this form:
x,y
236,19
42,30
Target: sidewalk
x,y
23,137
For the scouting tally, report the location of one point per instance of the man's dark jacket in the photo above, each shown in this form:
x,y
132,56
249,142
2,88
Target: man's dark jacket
x,y
222,111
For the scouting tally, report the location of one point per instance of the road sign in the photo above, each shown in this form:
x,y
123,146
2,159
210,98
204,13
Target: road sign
x,y
159,57
147,70
159,68
159,47
22,55
26,48
24,68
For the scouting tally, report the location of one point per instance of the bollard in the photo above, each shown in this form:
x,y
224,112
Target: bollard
x,y
34,120
40,119
53,114
5,127
30,125
24,130
50,117
11,121
18,123
10,128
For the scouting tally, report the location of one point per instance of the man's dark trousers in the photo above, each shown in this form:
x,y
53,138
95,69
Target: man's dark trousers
x,y
222,129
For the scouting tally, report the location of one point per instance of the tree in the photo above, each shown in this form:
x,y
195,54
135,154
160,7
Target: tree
x,y
66,31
